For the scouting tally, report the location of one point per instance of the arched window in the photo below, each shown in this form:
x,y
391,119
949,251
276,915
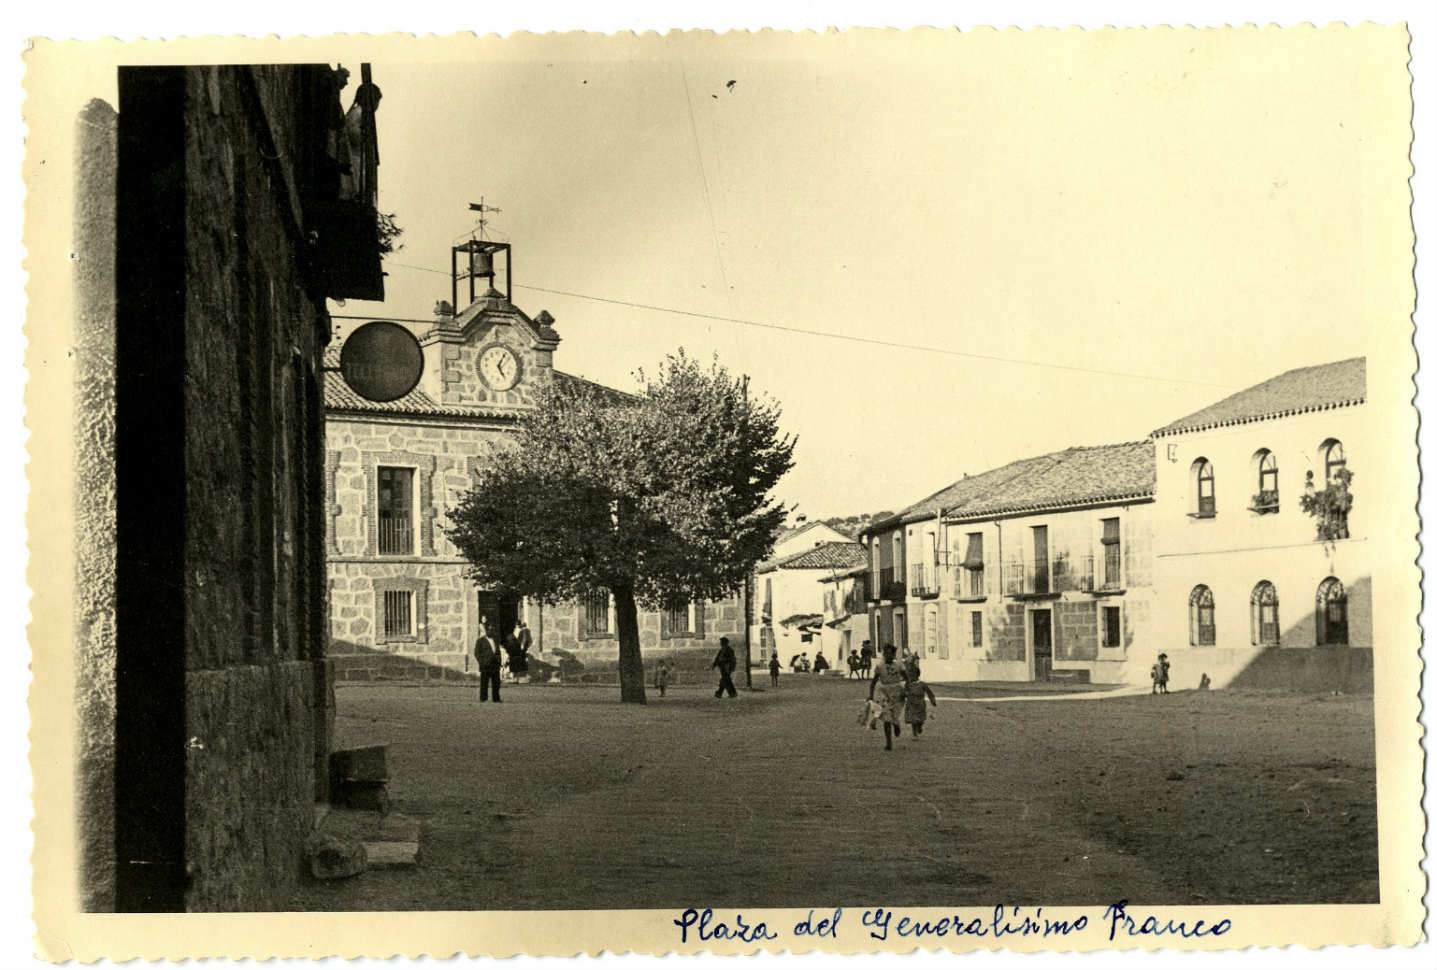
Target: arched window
x,y
1202,625
1334,459
1266,498
1331,613
1204,489
1265,632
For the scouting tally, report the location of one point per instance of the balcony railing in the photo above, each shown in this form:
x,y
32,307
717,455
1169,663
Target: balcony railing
x,y
890,585
923,580
396,536
1065,574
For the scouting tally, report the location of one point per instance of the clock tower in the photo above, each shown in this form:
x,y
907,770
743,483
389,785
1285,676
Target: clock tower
x,y
490,354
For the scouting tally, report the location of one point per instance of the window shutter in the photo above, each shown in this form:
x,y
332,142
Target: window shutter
x,y
582,606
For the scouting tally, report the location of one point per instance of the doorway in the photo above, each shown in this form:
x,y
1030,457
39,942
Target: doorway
x,y
499,612
1042,623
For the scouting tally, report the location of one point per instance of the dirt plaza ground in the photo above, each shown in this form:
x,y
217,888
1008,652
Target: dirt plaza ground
x,y
561,798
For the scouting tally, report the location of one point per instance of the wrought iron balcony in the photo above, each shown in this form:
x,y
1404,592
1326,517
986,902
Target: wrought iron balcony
x,y
923,580
890,585
1066,573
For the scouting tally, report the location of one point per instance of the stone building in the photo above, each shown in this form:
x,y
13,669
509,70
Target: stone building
x,y
1038,569
214,219
400,604
1251,593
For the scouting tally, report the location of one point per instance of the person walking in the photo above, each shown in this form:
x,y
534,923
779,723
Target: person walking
x,y
661,678
773,669
489,663
916,698
889,677
724,662
820,663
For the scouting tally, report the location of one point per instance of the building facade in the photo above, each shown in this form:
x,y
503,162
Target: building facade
x,y
1251,593
400,603
792,591
1036,570
845,611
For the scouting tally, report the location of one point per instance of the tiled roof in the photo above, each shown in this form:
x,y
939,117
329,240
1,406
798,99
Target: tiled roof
x,y
1072,478
1318,388
825,555
966,490
1063,479
339,396
842,574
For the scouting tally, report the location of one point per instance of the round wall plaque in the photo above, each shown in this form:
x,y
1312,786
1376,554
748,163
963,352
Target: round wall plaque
x,y
381,361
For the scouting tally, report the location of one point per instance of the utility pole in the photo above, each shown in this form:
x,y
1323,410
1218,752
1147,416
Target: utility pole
x,y
747,589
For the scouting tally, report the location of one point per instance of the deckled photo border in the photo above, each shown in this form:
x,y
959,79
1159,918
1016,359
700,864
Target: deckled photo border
x,y
57,72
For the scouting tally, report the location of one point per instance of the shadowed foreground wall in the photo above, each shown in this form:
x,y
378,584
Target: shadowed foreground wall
x,y
222,697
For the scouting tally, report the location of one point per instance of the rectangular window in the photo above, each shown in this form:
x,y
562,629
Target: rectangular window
x,y
976,619
1112,627
1112,554
596,613
398,613
1040,559
396,511
677,621
973,564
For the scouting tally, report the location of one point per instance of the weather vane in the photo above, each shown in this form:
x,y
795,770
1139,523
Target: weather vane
x,y
481,208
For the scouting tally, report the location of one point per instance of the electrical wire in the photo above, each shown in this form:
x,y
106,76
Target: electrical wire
x,y
873,341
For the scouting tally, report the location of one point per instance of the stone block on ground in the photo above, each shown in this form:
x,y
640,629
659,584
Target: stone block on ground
x,y
369,763
333,857
392,855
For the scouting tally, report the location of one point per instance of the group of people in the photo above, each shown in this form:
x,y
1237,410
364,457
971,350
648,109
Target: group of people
x,y
860,662
899,695
491,663
799,663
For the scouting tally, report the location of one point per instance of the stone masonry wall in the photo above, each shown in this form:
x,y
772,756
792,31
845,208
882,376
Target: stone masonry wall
x,y
254,637
443,454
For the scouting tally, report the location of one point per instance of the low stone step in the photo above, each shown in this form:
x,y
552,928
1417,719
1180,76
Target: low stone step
x,y
391,855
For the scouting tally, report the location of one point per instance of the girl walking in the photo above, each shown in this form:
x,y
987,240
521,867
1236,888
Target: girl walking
x,y
887,683
916,698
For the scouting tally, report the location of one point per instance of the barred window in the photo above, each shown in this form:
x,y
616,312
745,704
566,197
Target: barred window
x,y
596,613
398,613
396,511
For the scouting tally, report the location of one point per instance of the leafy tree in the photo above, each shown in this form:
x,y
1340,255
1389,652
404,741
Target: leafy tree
x,y
659,499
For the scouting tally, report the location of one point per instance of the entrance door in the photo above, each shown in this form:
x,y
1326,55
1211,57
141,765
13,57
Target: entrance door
x,y
1042,621
499,613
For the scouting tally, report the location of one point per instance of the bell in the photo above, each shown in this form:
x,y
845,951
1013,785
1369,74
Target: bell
x,y
483,265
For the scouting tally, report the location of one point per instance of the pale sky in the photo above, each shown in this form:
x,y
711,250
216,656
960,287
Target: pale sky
x,y
1180,206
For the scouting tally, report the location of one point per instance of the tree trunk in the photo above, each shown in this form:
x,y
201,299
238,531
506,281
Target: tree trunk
x,y
631,662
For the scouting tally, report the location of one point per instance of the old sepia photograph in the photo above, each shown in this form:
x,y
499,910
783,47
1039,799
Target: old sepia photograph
x,y
679,479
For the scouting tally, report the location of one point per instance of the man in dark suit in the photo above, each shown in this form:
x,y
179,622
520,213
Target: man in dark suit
x,y
725,662
489,663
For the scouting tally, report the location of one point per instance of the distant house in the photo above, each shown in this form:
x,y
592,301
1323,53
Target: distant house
x,y
1040,568
1242,569
790,592
400,602
845,610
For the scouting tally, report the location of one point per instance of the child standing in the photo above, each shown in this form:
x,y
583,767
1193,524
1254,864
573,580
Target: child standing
x,y
916,698
1160,674
661,678
773,669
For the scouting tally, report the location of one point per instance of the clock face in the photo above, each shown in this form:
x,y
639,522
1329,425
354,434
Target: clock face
x,y
499,368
